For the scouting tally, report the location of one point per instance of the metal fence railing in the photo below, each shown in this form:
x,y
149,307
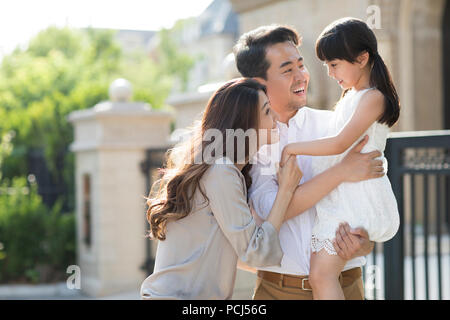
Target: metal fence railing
x,y
154,159
416,262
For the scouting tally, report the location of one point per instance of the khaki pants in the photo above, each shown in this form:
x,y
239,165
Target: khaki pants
x,y
265,290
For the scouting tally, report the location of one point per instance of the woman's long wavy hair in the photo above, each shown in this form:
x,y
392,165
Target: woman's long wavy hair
x,y
234,106
346,39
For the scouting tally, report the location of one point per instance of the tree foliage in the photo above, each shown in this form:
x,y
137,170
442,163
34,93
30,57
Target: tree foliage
x,y
63,70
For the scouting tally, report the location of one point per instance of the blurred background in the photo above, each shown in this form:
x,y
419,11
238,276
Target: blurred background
x,y
93,93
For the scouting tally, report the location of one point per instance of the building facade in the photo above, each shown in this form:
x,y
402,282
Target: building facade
x,y
413,40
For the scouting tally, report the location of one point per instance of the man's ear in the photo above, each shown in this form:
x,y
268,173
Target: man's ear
x,y
260,80
363,59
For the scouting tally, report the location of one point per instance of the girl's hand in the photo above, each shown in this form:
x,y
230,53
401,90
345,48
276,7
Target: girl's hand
x,y
289,175
285,154
357,166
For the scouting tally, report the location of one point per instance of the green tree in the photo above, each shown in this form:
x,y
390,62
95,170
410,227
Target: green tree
x,y
62,70
172,59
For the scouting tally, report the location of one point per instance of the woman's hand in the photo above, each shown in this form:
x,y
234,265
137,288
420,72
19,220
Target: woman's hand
x,y
289,175
357,166
258,220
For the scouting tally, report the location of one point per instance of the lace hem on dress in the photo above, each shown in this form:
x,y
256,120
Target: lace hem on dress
x,y
317,245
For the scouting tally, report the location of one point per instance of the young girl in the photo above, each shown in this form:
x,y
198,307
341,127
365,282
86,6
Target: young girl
x,y
369,106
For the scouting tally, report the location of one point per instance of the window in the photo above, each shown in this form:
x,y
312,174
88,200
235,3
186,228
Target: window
x,y
87,209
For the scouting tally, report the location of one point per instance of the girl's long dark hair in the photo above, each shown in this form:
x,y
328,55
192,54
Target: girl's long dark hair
x,y
346,39
234,106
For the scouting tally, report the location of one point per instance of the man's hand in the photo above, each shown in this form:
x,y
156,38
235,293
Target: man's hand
x,y
351,243
357,166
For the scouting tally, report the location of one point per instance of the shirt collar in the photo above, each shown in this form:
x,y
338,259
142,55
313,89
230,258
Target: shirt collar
x,y
298,119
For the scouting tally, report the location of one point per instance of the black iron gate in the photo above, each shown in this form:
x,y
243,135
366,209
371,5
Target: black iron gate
x,y
419,171
51,185
154,160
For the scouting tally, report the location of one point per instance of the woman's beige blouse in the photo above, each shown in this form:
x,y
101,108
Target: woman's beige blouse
x,y
198,259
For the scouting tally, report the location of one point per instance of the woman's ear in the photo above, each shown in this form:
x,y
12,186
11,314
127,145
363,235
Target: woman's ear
x,y
363,59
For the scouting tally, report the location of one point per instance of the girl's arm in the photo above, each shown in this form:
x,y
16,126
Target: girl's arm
x,y
369,110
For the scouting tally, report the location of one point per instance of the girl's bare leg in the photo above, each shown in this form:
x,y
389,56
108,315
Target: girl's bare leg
x,y
324,276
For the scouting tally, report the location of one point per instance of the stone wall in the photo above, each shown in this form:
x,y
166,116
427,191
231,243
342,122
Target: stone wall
x,y
110,141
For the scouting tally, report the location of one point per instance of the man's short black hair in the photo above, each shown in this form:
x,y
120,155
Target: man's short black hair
x,y
250,50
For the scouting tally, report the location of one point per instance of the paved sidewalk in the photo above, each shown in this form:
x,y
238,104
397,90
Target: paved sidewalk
x,y
243,291
134,295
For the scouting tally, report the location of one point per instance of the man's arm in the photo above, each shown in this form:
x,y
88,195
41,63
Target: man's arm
x,y
354,167
311,192
349,243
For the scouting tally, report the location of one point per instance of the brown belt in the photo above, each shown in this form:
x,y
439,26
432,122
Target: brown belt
x,y
301,282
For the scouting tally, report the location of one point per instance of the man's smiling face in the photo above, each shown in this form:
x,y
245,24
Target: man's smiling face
x,y
287,79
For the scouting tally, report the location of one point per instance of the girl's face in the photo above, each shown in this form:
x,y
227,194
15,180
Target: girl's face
x,y
268,131
346,74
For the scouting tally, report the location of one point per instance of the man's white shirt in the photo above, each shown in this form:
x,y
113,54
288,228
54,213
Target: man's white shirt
x,y
295,234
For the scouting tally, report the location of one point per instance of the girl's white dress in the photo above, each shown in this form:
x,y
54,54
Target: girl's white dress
x,y
369,204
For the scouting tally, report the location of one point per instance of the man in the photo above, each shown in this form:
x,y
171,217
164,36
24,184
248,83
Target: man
x,y
270,55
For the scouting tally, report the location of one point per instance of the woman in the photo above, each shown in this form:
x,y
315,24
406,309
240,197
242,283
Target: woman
x,y
200,214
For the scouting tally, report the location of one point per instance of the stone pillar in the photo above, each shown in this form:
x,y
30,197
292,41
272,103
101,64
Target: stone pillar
x,y
110,140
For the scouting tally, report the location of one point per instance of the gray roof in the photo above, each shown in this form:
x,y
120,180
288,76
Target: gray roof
x,y
219,18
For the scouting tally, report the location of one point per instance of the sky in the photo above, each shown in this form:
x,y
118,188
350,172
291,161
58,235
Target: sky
x,y
22,19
